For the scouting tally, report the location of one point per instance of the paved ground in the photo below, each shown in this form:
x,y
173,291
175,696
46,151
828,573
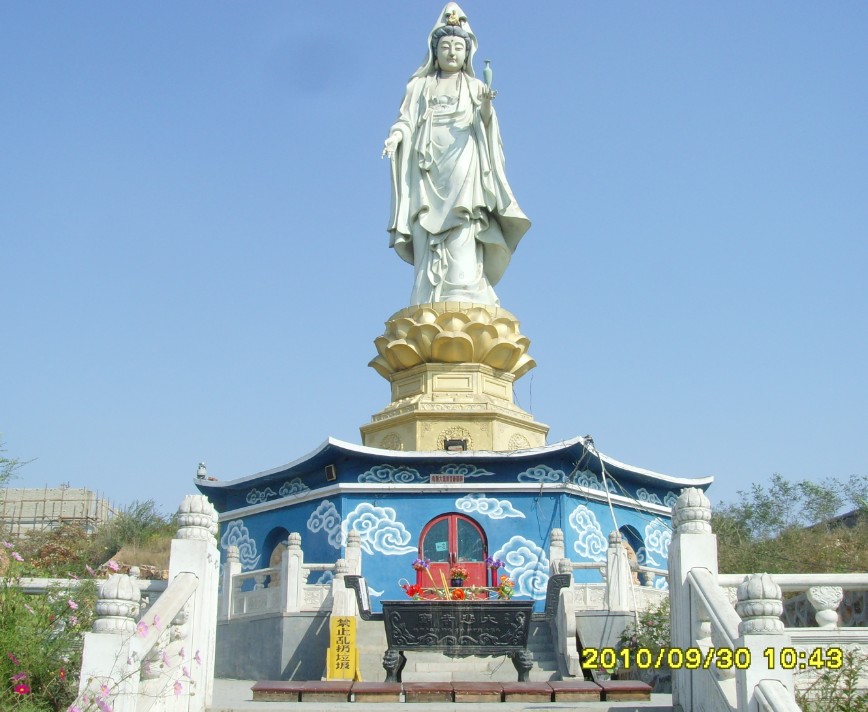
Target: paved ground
x,y
235,696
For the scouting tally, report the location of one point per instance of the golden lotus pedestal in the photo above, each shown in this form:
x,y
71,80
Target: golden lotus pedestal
x,y
452,367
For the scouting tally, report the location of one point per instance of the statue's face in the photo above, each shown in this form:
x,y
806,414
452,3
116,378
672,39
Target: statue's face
x,y
451,53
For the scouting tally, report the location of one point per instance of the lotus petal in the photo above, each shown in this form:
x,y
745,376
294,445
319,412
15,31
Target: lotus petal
x,y
399,327
524,364
381,366
405,354
453,321
452,348
423,335
503,356
484,337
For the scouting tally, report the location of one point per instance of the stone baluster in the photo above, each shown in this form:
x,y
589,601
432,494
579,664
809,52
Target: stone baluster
x,y
557,550
618,575
107,658
760,607
343,598
354,553
825,600
693,545
231,586
259,581
292,575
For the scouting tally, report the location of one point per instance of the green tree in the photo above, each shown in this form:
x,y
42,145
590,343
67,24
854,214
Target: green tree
x,y
789,527
8,466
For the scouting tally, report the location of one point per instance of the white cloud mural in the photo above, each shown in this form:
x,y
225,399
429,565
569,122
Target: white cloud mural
x,y
236,534
591,543
488,506
387,473
589,479
527,565
325,518
325,577
256,496
661,583
293,486
541,473
644,495
378,529
466,470
658,536
670,499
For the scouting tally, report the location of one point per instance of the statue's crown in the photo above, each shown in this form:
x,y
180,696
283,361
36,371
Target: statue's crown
x,y
453,19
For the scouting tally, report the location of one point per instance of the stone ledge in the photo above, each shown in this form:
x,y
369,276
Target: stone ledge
x,y
617,690
477,691
428,692
527,692
575,691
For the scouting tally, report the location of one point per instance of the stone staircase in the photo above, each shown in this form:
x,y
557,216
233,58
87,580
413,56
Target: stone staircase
x,y
430,667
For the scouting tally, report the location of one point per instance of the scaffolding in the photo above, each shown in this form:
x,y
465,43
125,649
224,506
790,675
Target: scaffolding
x,y
24,510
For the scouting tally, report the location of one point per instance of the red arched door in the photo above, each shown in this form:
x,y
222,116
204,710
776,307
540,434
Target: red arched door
x,y
453,539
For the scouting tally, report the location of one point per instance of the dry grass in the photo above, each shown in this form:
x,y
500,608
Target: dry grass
x,y
154,553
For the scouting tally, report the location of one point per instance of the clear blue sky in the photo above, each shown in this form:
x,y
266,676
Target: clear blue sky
x,y
194,263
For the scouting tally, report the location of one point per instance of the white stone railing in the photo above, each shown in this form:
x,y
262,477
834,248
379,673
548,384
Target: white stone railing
x,y
715,614
163,659
284,588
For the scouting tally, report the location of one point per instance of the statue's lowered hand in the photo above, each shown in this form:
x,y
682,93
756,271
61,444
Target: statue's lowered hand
x,y
391,145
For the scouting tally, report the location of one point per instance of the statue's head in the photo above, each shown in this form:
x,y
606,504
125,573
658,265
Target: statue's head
x,y
448,34
451,23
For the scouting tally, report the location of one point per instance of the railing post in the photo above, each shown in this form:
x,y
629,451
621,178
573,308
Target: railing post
x,y
291,574
354,553
556,549
693,546
343,598
108,671
618,575
231,569
760,607
194,550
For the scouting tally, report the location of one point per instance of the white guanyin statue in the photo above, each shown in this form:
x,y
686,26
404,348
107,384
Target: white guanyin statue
x,y
454,217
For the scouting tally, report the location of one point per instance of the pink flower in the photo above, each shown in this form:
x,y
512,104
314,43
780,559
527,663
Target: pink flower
x,y
89,570
178,688
165,658
15,661
19,676
72,604
142,629
17,557
104,706
103,690
113,565
156,621
6,544
23,689
185,671
182,654
73,620
28,609
73,708
197,658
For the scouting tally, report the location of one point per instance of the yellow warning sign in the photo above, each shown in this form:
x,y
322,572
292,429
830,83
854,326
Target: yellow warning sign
x,y
342,657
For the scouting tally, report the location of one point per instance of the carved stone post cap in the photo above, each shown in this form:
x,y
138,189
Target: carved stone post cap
x,y
342,566
759,605
557,536
354,539
615,538
692,512
197,517
294,541
117,605
119,587
232,553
